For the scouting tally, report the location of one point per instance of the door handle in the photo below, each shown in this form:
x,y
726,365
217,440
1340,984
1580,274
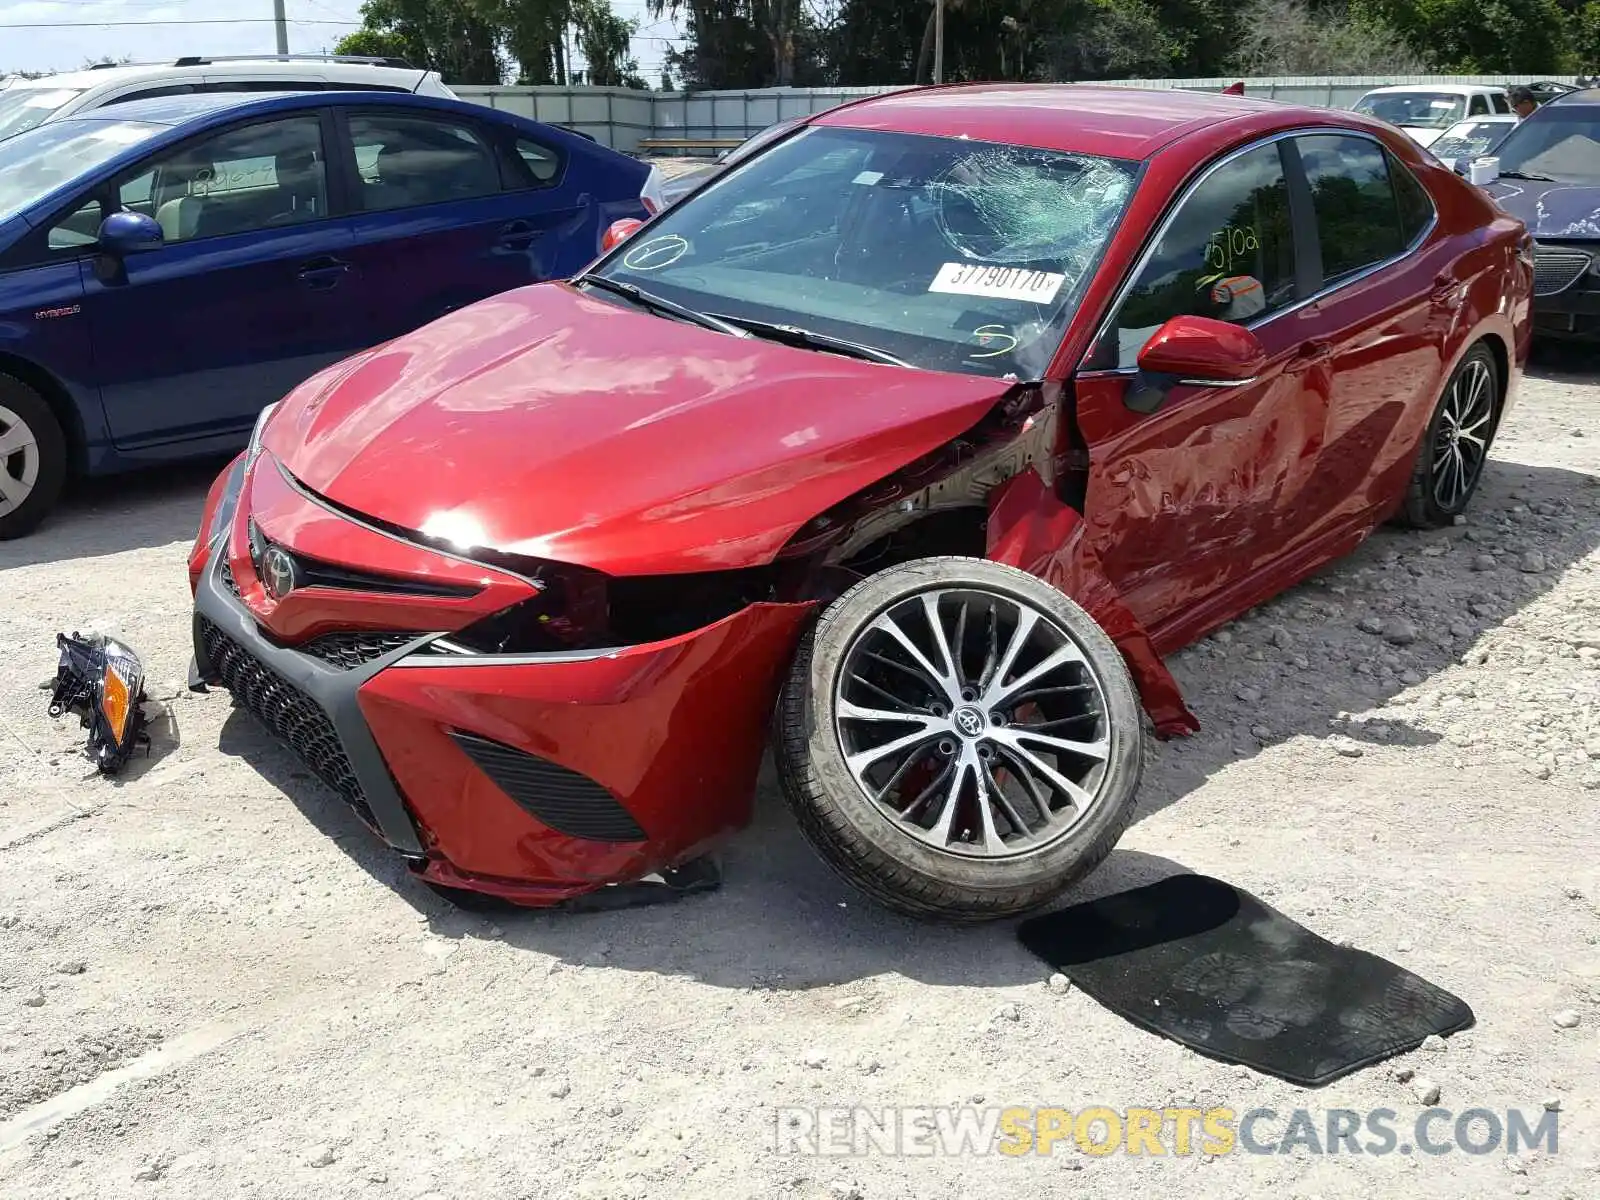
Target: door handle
x,y
517,235
1312,350
323,273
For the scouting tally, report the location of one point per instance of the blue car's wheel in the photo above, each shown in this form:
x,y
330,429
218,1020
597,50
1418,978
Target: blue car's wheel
x,y
33,458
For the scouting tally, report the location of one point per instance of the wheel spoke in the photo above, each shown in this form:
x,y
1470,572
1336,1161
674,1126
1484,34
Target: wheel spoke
x,y
878,691
1024,777
930,609
992,843
850,711
944,683
933,786
1026,620
862,759
1002,801
18,437
999,691
13,490
1014,737
1053,777
939,835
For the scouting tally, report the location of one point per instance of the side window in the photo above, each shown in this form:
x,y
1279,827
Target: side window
x,y
1358,219
151,93
406,161
259,176
1480,107
1501,103
543,163
1416,206
1227,253
77,230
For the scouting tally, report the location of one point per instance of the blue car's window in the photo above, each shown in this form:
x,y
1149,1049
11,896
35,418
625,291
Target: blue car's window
x,y
406,161
259,176
1561,141
23,108
36,163
543,163
948,253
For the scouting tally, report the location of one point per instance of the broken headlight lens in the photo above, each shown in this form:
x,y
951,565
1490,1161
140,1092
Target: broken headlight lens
x,y
102,681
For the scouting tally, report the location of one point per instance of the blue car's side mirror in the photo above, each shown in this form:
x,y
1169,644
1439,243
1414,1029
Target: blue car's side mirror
x,y
127,233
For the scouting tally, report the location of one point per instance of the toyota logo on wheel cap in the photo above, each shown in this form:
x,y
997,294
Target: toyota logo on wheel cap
x,y
279,573
969,721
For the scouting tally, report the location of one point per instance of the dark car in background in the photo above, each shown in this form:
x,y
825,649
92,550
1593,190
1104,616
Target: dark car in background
x,y
168,267
1549,176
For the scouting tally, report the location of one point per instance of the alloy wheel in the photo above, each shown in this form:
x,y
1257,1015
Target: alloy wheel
x,y
1461,443
973,722
19,461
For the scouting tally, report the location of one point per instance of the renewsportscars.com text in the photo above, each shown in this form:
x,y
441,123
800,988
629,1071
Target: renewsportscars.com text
x,y
840,1130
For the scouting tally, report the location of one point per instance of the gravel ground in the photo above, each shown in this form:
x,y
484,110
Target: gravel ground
x,y
214,983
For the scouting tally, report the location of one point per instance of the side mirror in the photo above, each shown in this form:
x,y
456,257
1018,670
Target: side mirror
x,y
1204,351
619,232
124,233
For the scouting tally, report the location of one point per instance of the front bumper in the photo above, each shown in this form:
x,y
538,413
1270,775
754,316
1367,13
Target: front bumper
x,y
534,777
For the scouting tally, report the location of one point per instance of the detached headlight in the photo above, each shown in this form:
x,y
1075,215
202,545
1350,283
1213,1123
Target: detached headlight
x,y
102,681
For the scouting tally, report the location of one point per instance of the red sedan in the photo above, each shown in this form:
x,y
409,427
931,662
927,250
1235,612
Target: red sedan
x,y
908,446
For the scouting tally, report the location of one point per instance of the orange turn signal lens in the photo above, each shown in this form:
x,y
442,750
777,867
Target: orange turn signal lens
x,y
114,702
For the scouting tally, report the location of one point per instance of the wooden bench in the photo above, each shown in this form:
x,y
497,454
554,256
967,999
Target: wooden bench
x,y
687,144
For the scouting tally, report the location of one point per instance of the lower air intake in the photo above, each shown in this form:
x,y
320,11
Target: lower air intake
x,y
564,800
288,712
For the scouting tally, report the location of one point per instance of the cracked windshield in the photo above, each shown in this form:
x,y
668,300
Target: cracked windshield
x,y
940,253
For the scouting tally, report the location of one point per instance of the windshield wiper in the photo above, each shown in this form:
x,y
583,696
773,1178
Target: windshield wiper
x,y
807,339
1533,175
660,304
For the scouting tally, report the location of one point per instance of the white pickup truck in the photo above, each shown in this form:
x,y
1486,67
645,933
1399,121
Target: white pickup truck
x,y
1426,110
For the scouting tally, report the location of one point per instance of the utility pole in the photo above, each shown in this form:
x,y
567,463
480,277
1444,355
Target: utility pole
x,y
938,40
282,21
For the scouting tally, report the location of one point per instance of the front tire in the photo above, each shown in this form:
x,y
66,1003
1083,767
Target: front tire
x,y
1456,446
959,740
33,458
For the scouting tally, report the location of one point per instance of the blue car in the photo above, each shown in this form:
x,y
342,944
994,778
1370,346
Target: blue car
x,y
169,267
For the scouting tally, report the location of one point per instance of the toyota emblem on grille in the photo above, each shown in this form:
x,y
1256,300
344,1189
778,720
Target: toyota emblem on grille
x,y
279,574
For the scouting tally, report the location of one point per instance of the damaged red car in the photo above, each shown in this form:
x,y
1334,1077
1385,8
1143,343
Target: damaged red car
x,y
907,448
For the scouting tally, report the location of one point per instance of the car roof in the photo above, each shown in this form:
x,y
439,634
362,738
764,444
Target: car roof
x,y
309,68
1454,89
1117,122
1576,96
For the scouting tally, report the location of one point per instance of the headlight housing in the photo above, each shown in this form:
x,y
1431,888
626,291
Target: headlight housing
x,y
102,681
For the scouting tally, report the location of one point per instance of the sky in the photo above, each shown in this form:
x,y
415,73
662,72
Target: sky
x,y
43,35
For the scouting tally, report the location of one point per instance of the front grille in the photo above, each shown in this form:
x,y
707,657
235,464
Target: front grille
x,y
287,711
228,580
355,648
565,800
1557,270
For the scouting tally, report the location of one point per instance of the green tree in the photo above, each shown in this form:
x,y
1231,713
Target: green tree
x,y
1476,36
448,36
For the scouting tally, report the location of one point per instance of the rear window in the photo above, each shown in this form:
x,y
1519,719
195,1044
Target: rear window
x,y
23,108
1419,110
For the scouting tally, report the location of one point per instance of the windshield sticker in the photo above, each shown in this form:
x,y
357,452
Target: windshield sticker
x,y
657,253
997,283
868,178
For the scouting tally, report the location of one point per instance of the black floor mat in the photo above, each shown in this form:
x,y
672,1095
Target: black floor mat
x,y
1207,965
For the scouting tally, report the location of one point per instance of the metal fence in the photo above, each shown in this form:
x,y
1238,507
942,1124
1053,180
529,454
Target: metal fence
x,y
622,117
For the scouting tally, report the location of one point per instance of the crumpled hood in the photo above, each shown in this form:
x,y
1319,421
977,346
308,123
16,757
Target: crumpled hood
x,y
551,423
1556,210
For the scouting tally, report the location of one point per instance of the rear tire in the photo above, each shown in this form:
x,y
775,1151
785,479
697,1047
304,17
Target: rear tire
x,y
1455,448
33,458
985,816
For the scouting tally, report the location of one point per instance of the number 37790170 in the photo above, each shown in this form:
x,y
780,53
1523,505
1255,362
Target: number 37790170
x,y
1230,247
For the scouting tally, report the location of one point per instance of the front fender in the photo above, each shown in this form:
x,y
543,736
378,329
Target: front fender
x,y
1033,531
